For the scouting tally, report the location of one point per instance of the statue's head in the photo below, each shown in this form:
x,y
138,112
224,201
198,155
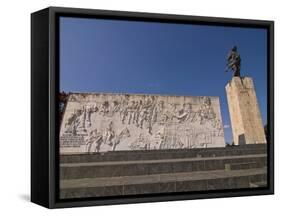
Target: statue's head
x,y
234,49
187,106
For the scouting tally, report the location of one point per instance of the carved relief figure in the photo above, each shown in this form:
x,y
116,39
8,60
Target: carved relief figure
x,y
206,111
88,112
94,140
204,139
189,138
217,125
80,120
76,123
124,109
123,135
135,112
141,143
184,113
142,116
70,124
150,107
138,111
130,111
108,135
104,108
115,107
159,139
158,112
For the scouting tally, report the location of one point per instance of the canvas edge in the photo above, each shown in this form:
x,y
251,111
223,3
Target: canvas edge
x,y
53,202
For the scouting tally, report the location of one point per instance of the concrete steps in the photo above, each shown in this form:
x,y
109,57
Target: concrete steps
x,y
161,183
162,171
148,167
258,184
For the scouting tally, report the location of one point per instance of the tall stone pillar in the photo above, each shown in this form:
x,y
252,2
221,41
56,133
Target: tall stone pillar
x,y
246,122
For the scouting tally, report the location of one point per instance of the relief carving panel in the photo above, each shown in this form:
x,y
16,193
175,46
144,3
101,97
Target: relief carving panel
x,y
109,122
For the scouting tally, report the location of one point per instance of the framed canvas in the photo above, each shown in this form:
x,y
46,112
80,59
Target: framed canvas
x,y
139,107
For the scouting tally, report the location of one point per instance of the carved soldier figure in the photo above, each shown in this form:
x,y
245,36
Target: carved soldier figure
x,y
81,121
206,112
117,139
184,113
109,134
158,111
94,140
105,108
137,112
124,109
159,139
144,113
88,112
130,110
234,62
142,116
116,107
70,123
149,113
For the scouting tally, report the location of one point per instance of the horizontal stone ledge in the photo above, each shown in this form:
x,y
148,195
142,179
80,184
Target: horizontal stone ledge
x,y
162,183
238,166
248,146
163,154
130,168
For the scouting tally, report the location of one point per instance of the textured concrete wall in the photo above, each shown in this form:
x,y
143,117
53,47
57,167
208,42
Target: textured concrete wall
x,y
108,122
246,122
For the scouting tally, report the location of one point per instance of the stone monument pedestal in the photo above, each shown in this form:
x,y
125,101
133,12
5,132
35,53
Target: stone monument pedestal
x,y
246,122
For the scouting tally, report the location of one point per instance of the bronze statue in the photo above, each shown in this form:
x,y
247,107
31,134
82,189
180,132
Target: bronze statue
x,y
233,62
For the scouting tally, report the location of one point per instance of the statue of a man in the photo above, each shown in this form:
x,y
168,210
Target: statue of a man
x,y
234,62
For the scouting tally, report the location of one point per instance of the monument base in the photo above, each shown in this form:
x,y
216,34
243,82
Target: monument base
x,y
246,122
162,171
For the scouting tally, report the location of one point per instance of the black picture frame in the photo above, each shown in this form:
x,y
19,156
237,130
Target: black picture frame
x,y
44,106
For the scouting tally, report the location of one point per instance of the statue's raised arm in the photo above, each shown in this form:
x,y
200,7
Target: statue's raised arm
x,y
233,62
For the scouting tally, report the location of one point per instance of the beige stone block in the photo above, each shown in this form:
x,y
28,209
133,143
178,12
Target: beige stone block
x,y
246,121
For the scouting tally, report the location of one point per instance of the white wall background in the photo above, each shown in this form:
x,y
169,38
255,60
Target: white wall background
x,y
15,107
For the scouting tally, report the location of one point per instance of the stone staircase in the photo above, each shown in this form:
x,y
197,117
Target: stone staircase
x,y
162,171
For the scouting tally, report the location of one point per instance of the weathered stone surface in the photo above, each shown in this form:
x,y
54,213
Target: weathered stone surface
x,y
163,183
98,122
149,167
244,111
163,154
138,173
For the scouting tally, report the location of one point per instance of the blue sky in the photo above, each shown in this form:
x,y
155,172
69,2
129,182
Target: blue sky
x,y
99,55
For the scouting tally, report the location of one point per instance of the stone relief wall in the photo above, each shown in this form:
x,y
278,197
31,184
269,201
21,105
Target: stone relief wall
x,y
109,122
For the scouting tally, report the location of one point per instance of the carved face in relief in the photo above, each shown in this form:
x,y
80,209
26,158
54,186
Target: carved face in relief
x,y
94,132
105,104
160,105
207,101
187,107
132,103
